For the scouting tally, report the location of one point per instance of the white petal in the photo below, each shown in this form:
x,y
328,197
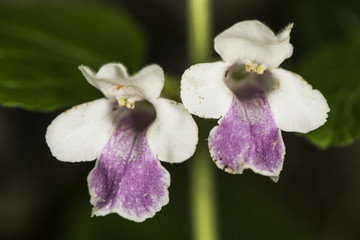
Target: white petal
x,y
112,79
107,79
79,134
255,42
296,106
150,80
203,90
174,134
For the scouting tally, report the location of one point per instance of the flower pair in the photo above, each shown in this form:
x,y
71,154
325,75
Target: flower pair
x,y
129,141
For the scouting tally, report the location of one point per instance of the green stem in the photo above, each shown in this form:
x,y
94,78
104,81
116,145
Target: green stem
x,y
202,177
199,30
202,196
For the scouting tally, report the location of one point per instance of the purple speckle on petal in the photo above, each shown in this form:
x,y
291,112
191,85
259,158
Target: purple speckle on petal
x,y
128,179
247,136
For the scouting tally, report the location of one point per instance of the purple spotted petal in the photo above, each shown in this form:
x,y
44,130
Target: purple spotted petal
x,y
128,179
247,136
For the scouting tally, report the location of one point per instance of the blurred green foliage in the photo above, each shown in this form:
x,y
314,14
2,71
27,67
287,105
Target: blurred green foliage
x,y
41,47
334,70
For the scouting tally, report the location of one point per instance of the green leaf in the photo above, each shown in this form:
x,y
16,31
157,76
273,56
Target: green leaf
x,y
41,47
333,70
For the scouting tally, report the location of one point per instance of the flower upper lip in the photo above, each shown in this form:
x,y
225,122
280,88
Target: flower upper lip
x,y
114,82
253,41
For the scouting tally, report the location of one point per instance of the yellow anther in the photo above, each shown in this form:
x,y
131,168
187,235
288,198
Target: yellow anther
x,y
130,105
122,102
249,67
119,86
125,102
260,70
253,67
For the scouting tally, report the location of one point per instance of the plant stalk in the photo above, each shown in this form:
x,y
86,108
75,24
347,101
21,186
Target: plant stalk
x,y
202,177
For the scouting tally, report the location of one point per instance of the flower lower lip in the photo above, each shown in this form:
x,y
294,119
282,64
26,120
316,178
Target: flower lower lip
x,y
128,179
247,136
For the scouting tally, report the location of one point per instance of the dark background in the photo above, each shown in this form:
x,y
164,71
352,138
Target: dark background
x,y
317,196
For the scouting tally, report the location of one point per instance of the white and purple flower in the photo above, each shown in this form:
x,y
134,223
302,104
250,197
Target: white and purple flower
x,y
127,142
254,110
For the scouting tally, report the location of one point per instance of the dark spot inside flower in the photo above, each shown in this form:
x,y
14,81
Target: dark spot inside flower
x,y
140,120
